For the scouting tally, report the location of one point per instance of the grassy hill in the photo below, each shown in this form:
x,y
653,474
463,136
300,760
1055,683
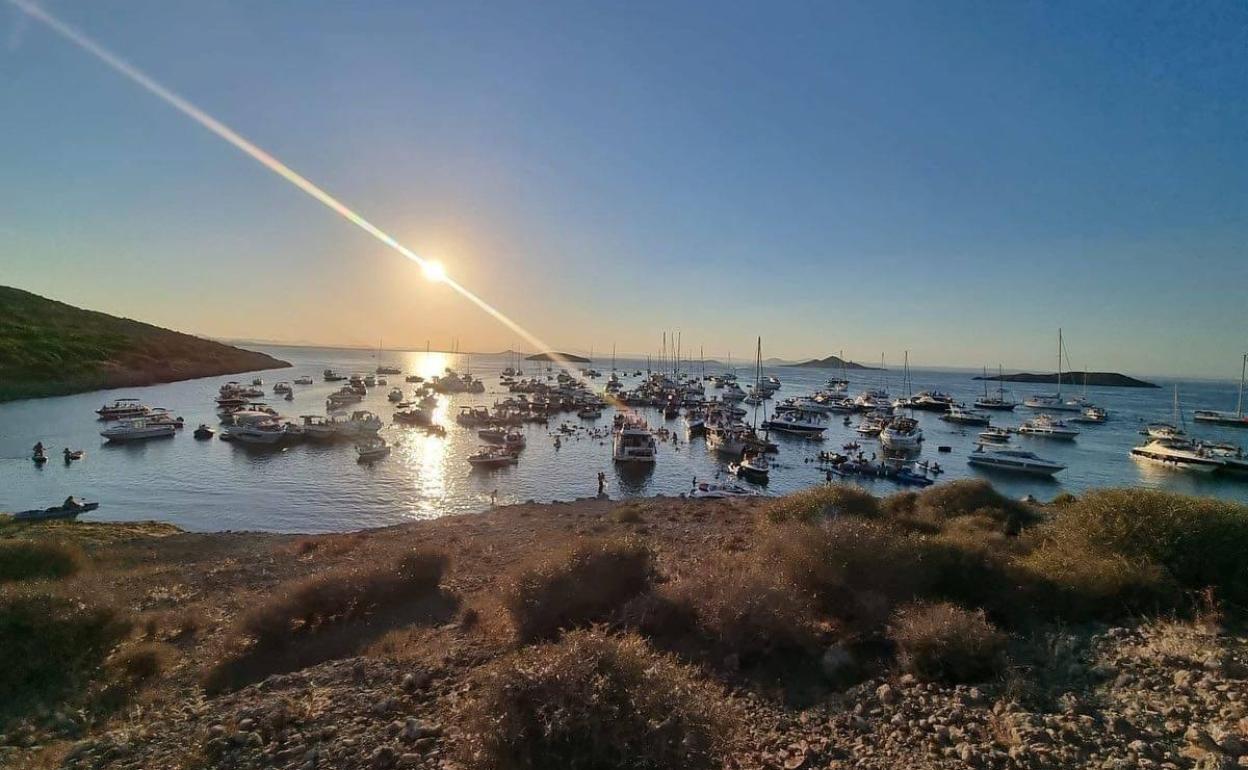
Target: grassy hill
x,y
48,348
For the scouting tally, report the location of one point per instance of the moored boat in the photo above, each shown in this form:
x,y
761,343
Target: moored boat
x,y
1013,461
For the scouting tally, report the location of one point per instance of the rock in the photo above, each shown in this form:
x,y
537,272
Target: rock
x,y
409,760
414,681
965,752
385,706
1215,762
886,694
383,757
1183,679
1233,745
415,729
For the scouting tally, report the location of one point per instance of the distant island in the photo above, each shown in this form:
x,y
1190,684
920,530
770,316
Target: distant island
x,y
556,356
831,362
48,348
1106,379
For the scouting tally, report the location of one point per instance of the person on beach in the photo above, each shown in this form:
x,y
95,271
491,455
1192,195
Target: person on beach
x,y
602,483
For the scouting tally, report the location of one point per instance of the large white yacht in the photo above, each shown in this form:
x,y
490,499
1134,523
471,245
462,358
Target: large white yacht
x,y
797,421
727,439
268,432
1013,461
360,424
122,408
633,443
958,413
137,429
902,433
1179,454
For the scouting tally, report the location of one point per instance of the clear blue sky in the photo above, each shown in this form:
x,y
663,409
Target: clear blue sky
x,y
956,179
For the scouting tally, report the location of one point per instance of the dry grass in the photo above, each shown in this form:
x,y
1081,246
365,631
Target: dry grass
x,y
39,560
594,701
822,502
141,662
946,643
575,586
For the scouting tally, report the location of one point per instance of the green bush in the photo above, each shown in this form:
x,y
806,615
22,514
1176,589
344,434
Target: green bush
x,y
592,702
38,560
822,502
946,643
1198,542
575,586
51,642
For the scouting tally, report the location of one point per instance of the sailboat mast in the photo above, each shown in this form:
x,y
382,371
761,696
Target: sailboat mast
x,y
1239,405
758,378
1059,361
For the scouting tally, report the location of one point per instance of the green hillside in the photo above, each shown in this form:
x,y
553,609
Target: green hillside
x,y
48,348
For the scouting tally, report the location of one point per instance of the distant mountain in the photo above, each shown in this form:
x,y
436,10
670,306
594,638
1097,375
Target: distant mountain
x,y
1107,379
48,348
831,362
556,356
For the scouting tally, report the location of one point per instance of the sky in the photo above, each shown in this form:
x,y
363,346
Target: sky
x,y
954,179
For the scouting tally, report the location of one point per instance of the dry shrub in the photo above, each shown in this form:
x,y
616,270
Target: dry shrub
x,y
575,586
1073,581
969,497
594,701
946,643
854,569
627,513
140,662
51,642
822,502
738,609
304,607
39,560
1200,542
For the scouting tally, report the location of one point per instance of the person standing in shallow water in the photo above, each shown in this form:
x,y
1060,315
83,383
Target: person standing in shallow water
x,y
602,483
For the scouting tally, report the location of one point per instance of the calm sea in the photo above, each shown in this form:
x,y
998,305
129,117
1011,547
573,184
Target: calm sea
x,y
216,485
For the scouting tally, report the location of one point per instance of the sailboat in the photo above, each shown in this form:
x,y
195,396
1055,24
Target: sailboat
x,y
999,402
1054,402
1177,429
1236,418
381,369
754,466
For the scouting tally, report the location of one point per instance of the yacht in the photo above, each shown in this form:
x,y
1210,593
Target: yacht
x,y
871,425
491,457
962,416
1053,402
726,439
137,429
715,490
997,403
395,395
372,448
995,435
1180,455
1163,430
1013,461
753,467
329,375
1091,415
872,399
902,433
282,387
361,423
267,432
733,392
1236,418
388,370
319,428
304,380
122,408
1044,426
1232,456
797,421
633,443
930,401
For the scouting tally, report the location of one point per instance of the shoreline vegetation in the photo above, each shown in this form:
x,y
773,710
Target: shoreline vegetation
x,y
826,629
1073,379
49,348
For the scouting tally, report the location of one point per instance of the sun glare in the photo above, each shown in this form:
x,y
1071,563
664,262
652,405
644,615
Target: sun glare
x,y
434,270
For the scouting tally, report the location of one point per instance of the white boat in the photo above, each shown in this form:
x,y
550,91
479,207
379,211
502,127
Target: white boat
x,y
753,467
726,439
330,375
122,408
995,435
360,424
1237,418
491,457
395,395
873,399
304,380
1013,461
1091,415
871,425
733,392
902,433
1044,426
250,413
633,442
282,387
797,421
962,416
319,428
715,490
266,432
373,448
1054,402
1170,431
137,429
1179,454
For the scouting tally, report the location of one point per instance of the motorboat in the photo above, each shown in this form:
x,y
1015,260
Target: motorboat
x,y
902,433
262,432
995,435
753,467
798,422
514,441
203,432
1180,455
732,392
372,449
633,442
319,428
329,375
589,412
1044,426
729,439
361,423
395,395
339,399
304,380
1052,402
929,401
137,430
414,416
871,425
282,387
67,510
1232,456
491,457
1234,419
695,422
717,490
258,382
1013,461
72,454
962,416
494,435
253,412
1091,415
873,399
388,370
39,456
122,408
413,378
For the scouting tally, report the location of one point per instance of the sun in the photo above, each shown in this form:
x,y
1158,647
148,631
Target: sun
x,y
434,270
